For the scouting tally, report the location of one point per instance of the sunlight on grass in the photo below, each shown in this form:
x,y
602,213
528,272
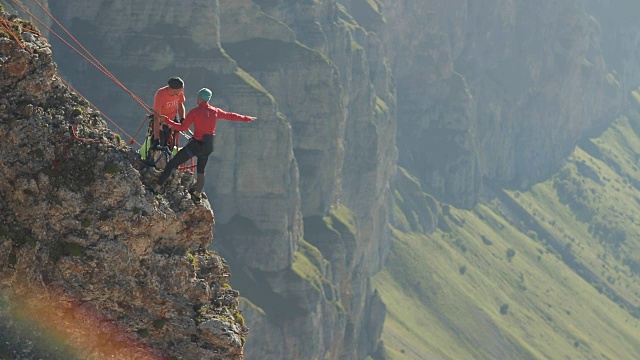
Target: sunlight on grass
x,y
546,273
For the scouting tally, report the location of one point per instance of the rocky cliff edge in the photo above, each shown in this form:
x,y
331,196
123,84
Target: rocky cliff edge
x,y
87,255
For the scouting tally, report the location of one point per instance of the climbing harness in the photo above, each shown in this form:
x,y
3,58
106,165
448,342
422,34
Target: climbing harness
x,y
167,151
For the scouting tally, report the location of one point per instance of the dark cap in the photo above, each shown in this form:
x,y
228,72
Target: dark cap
x,y
175,83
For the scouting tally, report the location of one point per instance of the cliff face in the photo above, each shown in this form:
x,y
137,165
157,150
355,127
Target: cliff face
x,y
500,90
315,151
329,140
620,37
341,115
87,255
455,92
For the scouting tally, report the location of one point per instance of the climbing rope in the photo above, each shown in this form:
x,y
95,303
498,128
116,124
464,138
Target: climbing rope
x,y
60,149
89,58
6,26
61,146
96,109
98,65
95,61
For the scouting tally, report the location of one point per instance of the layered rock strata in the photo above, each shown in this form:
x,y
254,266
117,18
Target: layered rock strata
x,y
496,92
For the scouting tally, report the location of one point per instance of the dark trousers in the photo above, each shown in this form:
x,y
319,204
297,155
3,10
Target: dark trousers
x,y
200,149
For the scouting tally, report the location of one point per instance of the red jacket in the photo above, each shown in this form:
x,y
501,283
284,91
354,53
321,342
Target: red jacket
x,y
204,118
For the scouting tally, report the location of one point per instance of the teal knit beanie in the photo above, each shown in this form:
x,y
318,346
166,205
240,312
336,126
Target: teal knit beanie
x,y
204,94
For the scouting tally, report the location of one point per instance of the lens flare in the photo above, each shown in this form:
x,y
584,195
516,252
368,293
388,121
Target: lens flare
x,y
75,326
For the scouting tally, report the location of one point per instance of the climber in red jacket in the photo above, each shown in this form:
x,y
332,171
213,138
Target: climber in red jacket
x,y
203,117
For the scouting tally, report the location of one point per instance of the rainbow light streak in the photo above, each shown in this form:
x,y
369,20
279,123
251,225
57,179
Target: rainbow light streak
x,y
77,326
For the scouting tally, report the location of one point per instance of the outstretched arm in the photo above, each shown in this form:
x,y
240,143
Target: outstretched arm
x,y
228,115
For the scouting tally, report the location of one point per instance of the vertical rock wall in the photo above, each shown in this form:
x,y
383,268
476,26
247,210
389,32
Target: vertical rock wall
x,y
498,91
323,139
341,114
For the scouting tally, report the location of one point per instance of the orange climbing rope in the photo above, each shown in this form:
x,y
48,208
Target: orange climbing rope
x,y
98,65
95,61
101,113
89,58
6,26
62,146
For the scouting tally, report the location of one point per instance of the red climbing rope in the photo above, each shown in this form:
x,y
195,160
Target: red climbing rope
x,y
62,146
5,24
93,61
98,65
74,133
69,85
59,153
7,27
101,113
89,58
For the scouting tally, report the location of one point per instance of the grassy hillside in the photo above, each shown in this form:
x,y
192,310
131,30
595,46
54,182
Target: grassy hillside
x,y
549,273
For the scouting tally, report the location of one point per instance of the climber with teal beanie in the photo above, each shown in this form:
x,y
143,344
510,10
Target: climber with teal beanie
x,y
203,117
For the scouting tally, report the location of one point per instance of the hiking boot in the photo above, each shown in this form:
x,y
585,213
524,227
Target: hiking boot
x,y
196,199
153,191
202,194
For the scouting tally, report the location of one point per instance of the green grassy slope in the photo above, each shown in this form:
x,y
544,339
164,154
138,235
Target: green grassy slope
x,y
550,273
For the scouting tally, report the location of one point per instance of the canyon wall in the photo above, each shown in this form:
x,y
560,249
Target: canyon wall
x,y
457,93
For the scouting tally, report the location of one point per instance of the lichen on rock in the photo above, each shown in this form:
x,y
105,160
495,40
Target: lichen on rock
x,y
87,255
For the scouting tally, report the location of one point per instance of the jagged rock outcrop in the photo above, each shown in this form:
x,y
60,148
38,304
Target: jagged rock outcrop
x,y
415,210
86,253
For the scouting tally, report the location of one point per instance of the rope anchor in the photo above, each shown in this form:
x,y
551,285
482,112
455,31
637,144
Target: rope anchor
x,y
60,152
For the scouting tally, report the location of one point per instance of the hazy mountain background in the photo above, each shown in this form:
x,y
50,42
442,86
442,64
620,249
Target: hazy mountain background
x,y
427,179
